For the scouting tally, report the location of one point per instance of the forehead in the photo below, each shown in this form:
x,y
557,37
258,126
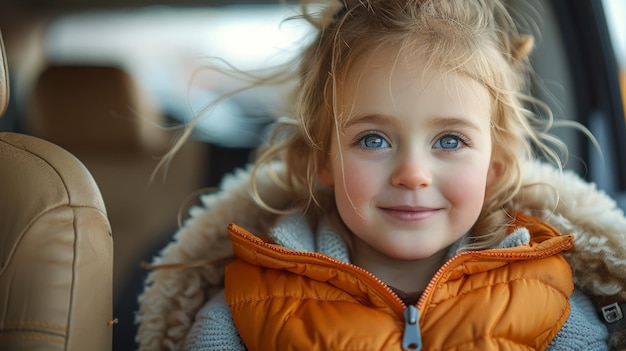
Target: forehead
x,y
385,78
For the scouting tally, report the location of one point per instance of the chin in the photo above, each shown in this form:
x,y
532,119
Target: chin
x,y
413,255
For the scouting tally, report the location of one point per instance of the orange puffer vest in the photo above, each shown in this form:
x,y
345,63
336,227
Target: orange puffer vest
x,y
500,299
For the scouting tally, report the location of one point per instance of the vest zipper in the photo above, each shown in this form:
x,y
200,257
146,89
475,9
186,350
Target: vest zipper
x,y
394,302
488,254
412,336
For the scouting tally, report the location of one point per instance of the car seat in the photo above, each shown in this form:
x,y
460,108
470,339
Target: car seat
x,y
101,114
56,247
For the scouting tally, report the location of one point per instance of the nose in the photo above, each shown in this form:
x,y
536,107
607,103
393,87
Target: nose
x,y
411,174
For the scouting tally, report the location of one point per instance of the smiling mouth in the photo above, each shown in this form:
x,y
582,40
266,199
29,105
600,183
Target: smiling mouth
x,y
410,214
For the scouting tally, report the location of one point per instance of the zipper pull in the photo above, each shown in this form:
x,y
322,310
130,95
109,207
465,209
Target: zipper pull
x,y
412,338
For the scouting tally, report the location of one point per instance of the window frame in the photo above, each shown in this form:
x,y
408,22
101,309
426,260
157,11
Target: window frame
x,y
596,81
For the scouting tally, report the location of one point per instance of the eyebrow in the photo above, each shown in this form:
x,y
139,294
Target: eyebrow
x,y
453,122
370,118
440,122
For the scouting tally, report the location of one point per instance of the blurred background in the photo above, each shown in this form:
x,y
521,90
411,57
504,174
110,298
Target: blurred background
x,y
110,80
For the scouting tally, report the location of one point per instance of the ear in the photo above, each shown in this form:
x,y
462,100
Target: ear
x,y
325,174
495,171
521,46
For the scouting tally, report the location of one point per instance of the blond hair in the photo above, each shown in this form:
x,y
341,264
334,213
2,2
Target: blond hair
x,y
475,38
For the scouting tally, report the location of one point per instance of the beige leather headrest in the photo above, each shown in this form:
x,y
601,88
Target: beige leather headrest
x,y
4,79
86,107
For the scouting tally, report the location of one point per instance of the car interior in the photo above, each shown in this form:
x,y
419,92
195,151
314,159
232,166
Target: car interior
x,y
94,92
56,238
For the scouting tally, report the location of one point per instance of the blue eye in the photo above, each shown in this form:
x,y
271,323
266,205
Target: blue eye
x,y
373,141
448,142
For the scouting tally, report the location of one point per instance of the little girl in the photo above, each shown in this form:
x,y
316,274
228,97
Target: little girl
x,y
400,209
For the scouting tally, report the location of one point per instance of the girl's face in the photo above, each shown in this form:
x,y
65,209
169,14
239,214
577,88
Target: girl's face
x,y
411,165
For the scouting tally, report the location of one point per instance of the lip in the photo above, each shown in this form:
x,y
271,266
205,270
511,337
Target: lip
x,y
410,213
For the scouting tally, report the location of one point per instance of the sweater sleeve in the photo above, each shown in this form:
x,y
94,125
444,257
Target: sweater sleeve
x,y
583,329
213,329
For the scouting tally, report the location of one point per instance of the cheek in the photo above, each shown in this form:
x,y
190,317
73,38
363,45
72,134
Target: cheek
x,y
357,182
351,180
467,188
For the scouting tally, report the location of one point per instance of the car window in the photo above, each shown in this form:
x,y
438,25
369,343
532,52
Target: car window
x,y
162,47
615,12
611,170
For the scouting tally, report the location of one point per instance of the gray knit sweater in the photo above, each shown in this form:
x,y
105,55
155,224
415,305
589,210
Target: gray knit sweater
x,y
214,329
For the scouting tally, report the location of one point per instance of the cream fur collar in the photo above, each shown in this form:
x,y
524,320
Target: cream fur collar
x,y
173,295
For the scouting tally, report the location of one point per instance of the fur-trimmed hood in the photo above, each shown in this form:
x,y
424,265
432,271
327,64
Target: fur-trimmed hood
x,y
173,295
